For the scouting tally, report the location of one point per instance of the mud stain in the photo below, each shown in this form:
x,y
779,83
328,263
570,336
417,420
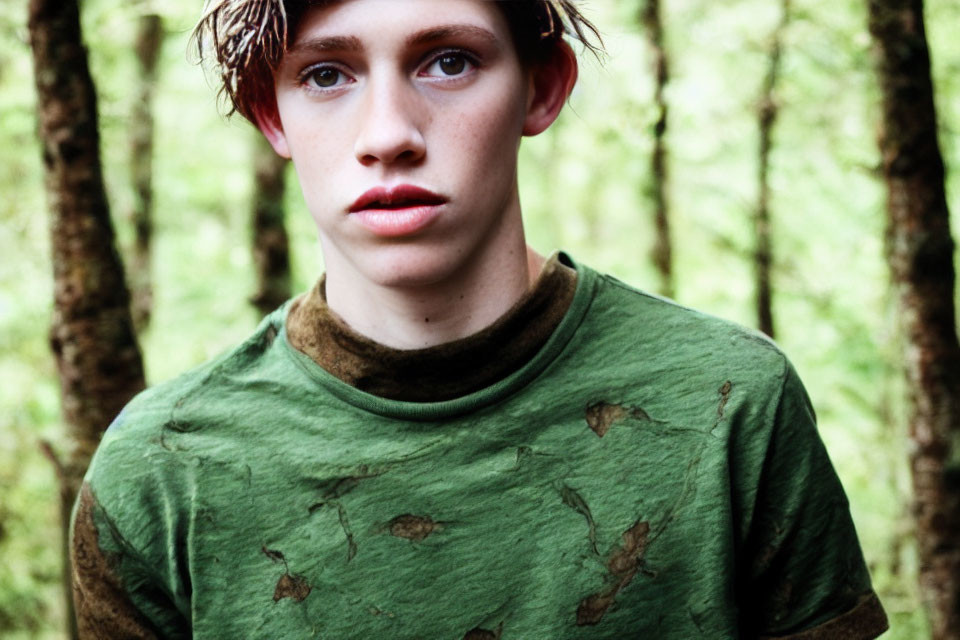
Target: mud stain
x,y
601,416
411,527
724,392
103,607
623,565
289,585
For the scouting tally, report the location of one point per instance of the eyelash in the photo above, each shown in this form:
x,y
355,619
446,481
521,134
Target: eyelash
x,y
470,59
304,78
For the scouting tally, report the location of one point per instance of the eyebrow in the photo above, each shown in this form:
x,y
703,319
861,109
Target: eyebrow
x,y
327,43
427,36
445,32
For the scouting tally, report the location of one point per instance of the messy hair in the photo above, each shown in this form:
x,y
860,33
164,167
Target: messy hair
x,y
245,40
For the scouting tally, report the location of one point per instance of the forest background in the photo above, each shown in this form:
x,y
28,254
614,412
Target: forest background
x,y
586,187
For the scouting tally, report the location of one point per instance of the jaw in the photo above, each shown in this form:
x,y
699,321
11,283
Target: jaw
x,y
387,288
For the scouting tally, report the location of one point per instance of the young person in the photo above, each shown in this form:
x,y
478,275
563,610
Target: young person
x,y
451,436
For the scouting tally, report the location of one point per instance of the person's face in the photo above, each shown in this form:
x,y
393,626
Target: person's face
x,y
403,120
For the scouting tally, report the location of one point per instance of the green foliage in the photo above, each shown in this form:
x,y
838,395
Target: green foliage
x,y
583,188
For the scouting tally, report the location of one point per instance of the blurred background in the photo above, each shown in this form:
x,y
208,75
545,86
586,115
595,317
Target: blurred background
x,y
589,186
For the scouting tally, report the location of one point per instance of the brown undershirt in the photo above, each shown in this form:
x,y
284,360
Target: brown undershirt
x,y
441,372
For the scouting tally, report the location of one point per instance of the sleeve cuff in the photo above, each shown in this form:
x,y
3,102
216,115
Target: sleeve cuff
x,y
866,620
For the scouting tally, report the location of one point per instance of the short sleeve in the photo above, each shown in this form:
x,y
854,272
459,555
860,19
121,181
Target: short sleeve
x,y
125,559
114,595
801,572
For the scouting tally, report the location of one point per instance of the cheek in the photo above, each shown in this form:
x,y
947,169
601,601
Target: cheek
x,y
489,133
321,149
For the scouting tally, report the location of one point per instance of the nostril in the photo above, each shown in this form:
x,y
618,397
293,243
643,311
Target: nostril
x,y
407,155
390,140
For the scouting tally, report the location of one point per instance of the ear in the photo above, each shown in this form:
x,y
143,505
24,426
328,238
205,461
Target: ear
x,y
270,126
551,83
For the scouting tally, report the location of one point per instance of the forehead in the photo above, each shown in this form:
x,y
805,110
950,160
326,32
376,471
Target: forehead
x,y
365,23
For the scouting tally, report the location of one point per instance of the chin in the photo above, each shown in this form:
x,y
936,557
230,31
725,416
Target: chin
x,y
408,267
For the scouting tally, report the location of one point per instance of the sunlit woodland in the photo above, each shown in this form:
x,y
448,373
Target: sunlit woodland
x,y
713,139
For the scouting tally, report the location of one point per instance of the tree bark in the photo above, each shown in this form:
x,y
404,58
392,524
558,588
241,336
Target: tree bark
x,y
149,41
767,117
271,252
91,334
920,254
663,246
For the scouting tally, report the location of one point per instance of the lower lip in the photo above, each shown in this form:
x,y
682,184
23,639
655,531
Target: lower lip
x,y
391,223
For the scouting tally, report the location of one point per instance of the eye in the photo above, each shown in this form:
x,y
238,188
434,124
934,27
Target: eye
x,y
449,64
323,77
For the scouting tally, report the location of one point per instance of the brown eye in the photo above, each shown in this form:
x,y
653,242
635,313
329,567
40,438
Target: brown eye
x,y
325,77
452,64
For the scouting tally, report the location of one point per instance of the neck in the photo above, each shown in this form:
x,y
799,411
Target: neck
x,y
416,317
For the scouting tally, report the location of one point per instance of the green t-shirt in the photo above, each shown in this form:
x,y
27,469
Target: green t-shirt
x,y
650,472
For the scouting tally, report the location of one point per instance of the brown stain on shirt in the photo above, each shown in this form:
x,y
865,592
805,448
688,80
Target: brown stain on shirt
x,y
293,587
623,565
103,608
601,416
865,620
724,392
289,585
411,527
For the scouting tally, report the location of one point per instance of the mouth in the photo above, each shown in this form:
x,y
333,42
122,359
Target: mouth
x,y
404,196
397,212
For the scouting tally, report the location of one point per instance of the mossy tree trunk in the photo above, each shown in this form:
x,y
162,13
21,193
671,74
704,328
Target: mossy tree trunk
x,y
767,116
92,333
271,248
662,252
149,41
920,253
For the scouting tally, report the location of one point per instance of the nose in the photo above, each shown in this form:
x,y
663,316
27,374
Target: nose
x,y
389,127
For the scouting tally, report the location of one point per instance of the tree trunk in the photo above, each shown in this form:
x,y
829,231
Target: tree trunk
x,y
91,334
271,253
148,44
767,116
920,253
663,246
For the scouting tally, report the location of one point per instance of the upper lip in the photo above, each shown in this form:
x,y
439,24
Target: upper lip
x,y
404,195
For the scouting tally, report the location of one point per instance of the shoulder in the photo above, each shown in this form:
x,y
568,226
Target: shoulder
x,y
148,470
152,441
677,322
165,406
684,347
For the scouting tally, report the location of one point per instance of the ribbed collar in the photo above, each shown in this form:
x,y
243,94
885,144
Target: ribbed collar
x,y
438,373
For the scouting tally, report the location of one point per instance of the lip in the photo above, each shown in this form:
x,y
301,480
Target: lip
x,y
395,198
397,211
